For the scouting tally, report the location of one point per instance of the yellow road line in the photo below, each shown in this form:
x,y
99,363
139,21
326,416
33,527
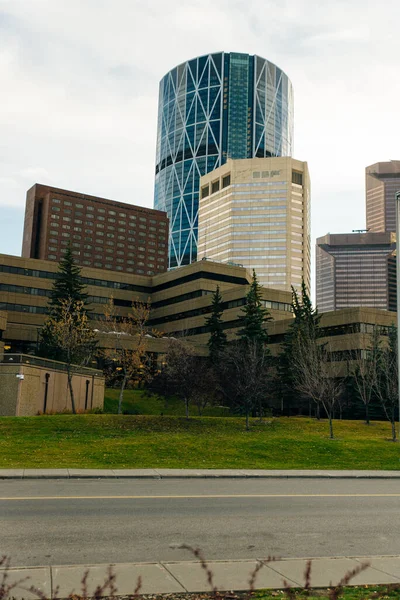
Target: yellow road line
x,y
198,496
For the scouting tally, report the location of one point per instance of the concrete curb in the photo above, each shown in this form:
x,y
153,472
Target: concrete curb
x,y
171,577
192,474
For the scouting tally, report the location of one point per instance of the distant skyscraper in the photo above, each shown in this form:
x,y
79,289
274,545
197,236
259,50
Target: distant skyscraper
x,y
256,212
356,269
382,181
212,108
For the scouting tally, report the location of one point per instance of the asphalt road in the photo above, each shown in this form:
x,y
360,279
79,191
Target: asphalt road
x,y
103,521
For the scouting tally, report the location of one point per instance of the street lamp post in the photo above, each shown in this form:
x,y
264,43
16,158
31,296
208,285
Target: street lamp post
x,y
398,292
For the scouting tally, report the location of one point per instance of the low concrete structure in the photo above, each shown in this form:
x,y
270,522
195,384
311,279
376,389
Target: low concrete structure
x,y
30,385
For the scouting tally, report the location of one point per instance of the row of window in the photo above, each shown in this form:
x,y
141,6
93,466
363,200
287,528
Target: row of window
x,y
20,289
216,186
85,280
110,212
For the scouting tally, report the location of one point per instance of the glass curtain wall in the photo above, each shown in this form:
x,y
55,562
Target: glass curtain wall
x,y
212,108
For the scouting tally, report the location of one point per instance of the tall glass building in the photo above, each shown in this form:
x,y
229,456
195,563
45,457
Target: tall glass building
x,y
211,108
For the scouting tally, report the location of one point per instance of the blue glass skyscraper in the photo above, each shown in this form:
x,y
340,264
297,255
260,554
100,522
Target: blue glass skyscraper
x,y
214,107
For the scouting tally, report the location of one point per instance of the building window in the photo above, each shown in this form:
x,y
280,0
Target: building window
x,y
123,215
143,219
256,174
54,216
297,177
52,256
55,208
100,218
205,191
133,217
90,208
56,201
78,229
226,180
66,203
68,211
111,220
215,186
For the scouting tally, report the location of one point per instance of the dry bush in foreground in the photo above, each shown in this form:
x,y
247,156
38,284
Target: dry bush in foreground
x,y
108,588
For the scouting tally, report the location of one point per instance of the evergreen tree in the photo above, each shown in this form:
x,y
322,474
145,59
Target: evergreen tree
x,y
217,340
254,315
68,285
68,288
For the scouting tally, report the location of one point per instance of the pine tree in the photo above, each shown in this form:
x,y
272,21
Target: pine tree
x,y
217,340
68,285
254,315
68,288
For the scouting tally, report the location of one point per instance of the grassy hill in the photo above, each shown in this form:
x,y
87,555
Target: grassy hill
x,y
125,441
139,402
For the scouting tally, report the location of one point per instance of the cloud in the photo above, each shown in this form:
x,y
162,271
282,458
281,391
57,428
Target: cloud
x,y
81,82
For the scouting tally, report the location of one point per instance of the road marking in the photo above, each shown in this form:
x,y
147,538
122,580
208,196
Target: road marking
x,y
198,496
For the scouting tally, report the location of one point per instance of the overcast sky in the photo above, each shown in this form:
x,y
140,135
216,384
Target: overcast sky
x,y
79,91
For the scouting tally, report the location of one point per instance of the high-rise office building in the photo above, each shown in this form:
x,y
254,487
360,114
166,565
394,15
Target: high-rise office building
x,y
211,108
102,233
256,212
382,181
356,269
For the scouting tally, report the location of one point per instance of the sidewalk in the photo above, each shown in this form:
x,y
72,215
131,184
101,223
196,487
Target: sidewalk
x,y
188,576
191,474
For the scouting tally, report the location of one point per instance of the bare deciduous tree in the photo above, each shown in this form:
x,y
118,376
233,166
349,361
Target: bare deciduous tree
x,y
127,341
386,381
186,375
246,376
72,336
311,376
363,369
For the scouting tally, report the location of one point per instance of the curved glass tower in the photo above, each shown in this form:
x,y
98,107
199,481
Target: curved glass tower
x,y
212,108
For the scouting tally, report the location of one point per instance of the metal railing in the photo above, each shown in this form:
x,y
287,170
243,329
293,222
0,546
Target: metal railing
x,y
27,359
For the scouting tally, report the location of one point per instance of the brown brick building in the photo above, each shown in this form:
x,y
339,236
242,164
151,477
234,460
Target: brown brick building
x,y
102,233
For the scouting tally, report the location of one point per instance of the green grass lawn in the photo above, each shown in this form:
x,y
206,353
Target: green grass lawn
x,y
126,441
138,402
